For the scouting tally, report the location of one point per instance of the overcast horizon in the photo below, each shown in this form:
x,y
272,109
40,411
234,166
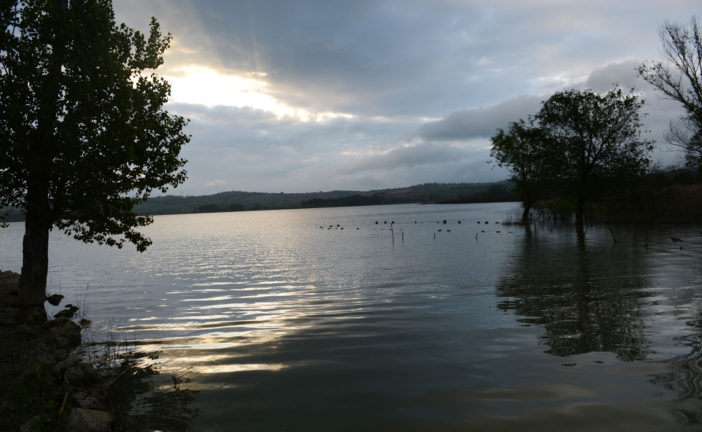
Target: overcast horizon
x,y
307,96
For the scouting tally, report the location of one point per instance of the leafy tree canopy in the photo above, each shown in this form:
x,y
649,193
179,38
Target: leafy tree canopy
x,y
83,132
577,139
595,134
521,148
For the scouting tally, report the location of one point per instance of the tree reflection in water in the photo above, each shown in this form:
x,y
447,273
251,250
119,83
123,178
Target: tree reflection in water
x,y
587,297
685,375
590,295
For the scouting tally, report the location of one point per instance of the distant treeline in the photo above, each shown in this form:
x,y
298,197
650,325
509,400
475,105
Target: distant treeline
x,y
238,201
497,192
437,193
348,201
661,196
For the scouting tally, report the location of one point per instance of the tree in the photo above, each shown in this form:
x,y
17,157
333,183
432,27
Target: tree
x,y
521,149
680,79
83,132
687,136
595,137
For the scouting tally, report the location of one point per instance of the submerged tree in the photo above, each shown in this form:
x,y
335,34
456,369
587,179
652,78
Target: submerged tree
x,y
521,149
83,133
596,138
680,79
578,142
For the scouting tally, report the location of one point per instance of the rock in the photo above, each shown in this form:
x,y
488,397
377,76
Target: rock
x,y
63,333
31,425
62,365
85,322
89,420
81,375
26,331
69,312
60,354
85,400
56,340
9,283
35,316
54,299
56,322
71,332
9,316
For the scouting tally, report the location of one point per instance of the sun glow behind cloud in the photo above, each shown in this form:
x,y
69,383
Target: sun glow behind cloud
x,y
201,85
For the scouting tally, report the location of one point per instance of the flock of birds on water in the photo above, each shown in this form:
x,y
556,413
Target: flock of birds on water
x,y
444,222
392,224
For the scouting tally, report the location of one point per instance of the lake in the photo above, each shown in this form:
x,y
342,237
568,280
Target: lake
x,y
387,318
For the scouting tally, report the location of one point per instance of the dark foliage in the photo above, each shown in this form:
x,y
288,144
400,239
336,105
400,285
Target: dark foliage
x,y
580,145
83,133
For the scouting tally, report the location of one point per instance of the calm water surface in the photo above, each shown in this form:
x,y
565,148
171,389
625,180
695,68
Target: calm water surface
x,y
283,323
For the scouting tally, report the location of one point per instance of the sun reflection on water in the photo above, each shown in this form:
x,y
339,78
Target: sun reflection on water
x,y
520,329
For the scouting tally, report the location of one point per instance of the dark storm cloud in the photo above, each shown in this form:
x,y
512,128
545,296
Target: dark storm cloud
x,y
657,113
405,157
623,74
483,121
480,122
425,163
407,57
400,57
247,149
393,65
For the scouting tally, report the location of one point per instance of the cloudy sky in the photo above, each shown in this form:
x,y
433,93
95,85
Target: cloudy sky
x,y
310,95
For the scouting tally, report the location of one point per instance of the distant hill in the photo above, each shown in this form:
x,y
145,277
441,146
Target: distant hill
x,y
237,201
437,193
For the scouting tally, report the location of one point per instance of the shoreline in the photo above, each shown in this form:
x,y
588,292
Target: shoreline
x,y
46,383
53,379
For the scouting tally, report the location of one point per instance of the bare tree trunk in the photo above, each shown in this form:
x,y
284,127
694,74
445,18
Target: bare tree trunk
x,y
35,249
35,245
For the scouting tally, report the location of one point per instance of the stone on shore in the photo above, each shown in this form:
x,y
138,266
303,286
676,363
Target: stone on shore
x,y
68,312
89,420
54,299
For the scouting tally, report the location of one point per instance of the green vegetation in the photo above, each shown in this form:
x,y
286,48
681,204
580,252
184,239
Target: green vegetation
x,y
519,149
595,142
83,133
579,146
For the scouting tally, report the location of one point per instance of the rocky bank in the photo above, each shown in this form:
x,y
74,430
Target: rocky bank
x,y
44,384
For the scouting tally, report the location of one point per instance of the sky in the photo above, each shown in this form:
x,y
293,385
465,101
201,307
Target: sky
x,y
306,96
